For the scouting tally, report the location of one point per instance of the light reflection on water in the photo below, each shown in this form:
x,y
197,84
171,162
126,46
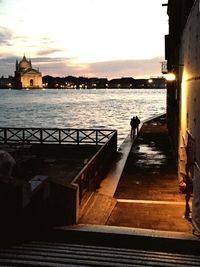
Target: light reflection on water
x,y
103,108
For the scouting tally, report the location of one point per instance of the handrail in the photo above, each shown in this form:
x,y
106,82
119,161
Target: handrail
x,y
91,174
55,136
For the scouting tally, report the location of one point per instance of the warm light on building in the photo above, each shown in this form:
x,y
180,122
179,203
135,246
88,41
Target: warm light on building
x,y
184,104
26,75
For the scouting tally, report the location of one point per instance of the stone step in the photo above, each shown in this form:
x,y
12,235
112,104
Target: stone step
x,y
62,254
126,237
97,210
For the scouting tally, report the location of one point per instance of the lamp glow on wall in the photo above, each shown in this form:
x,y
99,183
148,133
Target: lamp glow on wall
x,y
184,107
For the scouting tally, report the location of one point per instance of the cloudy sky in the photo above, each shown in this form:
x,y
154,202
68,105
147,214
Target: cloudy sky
x,y
101,38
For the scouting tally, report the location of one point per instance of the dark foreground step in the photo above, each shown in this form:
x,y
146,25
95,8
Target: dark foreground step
x,y
62,254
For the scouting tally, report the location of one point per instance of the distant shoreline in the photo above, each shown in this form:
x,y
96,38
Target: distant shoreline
x,y
27,89
71,82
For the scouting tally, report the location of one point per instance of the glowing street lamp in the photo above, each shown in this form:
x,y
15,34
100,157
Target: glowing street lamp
x,y
150,81
170,77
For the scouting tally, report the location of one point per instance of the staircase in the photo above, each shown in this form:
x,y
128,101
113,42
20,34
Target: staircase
x,y
62,254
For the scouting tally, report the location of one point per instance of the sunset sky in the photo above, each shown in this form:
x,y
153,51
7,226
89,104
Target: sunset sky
x,y
93,38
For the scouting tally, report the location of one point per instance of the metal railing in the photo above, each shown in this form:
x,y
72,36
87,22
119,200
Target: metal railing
x,y
89,178
54,135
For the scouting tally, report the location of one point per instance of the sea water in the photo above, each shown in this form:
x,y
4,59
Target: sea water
x,y
81,109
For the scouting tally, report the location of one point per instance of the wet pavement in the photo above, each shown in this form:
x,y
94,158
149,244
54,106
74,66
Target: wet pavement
x,y
147,196
150,172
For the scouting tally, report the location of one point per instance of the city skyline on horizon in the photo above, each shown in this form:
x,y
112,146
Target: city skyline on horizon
x,y
101,39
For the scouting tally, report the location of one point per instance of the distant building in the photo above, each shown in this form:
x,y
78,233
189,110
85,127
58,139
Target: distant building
x,y
124,82
26,76
5,83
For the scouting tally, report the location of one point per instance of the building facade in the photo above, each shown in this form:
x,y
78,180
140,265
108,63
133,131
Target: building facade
x,y
183,56
189,144
178,12
26,76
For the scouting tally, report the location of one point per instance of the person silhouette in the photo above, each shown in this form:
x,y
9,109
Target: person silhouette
x,y
135,121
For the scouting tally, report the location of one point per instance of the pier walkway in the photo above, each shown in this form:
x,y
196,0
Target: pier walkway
x,y
98,208
142,190
110,182
135,218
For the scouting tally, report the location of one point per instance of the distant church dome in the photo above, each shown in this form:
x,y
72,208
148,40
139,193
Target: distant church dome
x,y
26,76
24,64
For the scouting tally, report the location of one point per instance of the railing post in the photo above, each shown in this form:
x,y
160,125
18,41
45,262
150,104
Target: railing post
x,y
41,137
96,137
23,136
5,136
78,137
59,136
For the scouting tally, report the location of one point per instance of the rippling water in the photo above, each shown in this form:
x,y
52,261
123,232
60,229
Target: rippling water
x,y
103,108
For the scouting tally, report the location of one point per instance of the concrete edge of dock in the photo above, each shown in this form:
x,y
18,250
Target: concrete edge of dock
x,y
110,182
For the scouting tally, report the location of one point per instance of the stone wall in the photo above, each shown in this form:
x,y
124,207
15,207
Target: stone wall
x,y
189,144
